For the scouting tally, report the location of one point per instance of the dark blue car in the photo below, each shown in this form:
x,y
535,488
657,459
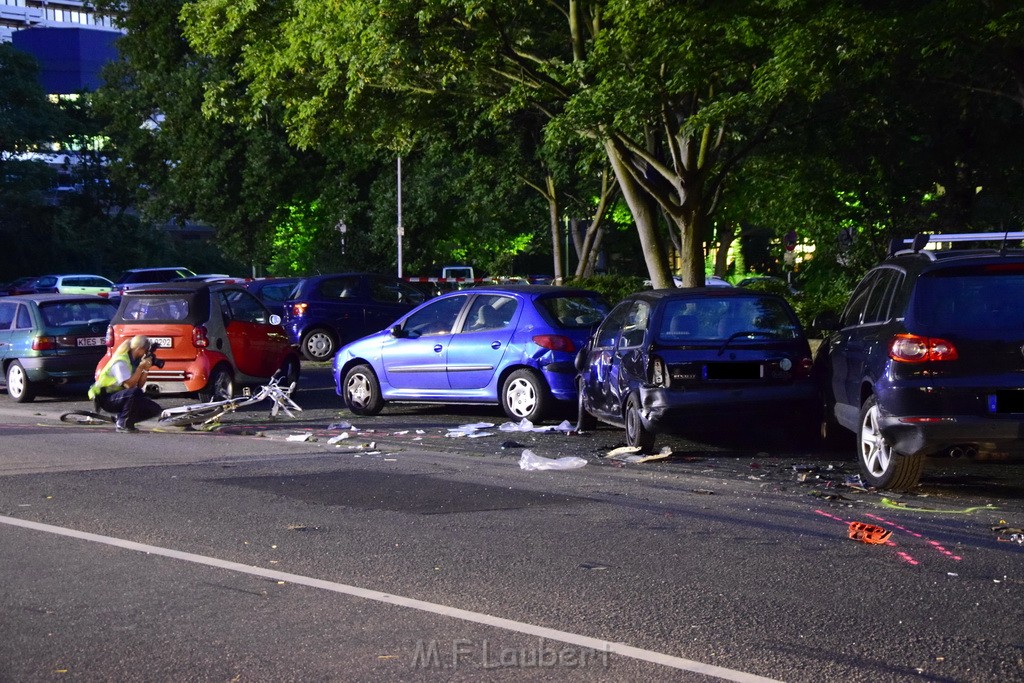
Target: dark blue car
x,y
928,357
667,357
326,311
513,345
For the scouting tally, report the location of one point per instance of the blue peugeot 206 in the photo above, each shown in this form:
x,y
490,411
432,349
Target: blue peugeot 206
x,y
513,345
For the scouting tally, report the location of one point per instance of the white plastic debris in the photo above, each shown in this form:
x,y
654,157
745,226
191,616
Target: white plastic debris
x,y
472,430
631,455
339,437
531,461
525,425
308,436
340,425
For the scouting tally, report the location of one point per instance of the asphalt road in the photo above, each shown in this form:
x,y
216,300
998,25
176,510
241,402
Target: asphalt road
x,y
406,553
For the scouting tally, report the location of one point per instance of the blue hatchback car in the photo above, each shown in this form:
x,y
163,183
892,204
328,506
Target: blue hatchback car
x,y
512,345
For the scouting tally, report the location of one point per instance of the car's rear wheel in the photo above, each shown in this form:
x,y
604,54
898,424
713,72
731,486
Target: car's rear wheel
x,y
636,434
362,391
525,396
585,422
319,345
880,465
18,385
220,387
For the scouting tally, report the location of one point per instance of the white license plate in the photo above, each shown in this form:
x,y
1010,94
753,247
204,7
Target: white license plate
x,y
164,342
91,341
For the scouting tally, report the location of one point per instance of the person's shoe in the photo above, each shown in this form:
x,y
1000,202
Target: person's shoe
x,y
125,429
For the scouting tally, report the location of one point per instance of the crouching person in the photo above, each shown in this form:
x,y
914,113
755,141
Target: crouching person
x,y
119,386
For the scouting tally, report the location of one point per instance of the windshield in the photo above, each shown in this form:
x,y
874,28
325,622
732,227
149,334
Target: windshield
x,y
969,299
713,319
574,311
60,313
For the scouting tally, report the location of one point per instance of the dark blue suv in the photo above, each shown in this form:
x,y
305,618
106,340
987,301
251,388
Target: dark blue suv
x,y
928,357
325,312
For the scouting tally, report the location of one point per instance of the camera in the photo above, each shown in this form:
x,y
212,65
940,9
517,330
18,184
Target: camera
x,y
151,354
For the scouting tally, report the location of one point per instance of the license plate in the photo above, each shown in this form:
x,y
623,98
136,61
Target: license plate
x,y
1006,401
164,342
733,371
90,341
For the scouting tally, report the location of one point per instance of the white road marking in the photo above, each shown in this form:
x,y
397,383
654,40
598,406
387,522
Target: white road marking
x,y
433,608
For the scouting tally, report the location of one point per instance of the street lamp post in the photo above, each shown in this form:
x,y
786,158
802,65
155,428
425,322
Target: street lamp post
x,y
401,230
342,228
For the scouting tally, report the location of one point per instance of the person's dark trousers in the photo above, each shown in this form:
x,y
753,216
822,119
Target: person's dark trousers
x,y
131,406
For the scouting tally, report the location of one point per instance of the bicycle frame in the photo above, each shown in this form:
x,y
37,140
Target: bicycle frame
x,y
211,411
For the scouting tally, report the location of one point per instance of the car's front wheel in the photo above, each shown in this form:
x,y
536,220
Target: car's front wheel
x,y
636,434
362,391
525,396
19,387
220,387
319,345
880,464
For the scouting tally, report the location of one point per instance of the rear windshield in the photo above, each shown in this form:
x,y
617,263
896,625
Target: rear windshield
x,y
573,311
151,276
63,313
183,307
975,298
732,318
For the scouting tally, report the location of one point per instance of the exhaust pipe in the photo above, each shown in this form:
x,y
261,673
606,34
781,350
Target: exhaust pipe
x,y
956,452
970,451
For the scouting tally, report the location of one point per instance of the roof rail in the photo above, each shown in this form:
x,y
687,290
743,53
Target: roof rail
x,y
919,241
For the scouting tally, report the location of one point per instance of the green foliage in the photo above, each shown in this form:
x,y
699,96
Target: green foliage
x,y
615,288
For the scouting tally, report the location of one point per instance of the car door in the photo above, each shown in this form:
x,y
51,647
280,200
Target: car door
x,y
340,303
626,361
596,374
475,353
389,300
8,309
416,358
256,345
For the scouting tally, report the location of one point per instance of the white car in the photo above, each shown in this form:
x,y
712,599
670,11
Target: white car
x,y
73,284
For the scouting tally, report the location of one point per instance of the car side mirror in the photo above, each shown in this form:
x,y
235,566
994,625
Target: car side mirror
x,y
275,319
398,332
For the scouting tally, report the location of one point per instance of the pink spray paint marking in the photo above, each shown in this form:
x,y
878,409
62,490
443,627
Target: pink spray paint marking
x,y
934,544
906,557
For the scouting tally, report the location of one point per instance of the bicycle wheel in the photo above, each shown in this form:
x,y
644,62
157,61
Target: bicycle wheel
x,y
86,417
191,415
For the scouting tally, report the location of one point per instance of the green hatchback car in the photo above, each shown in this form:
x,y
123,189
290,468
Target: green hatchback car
x,y
50,339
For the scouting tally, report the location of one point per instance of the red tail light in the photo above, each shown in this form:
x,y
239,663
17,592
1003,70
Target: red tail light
x,y
43,343
555,342
199,338
804,367
912,348
109,340
299,309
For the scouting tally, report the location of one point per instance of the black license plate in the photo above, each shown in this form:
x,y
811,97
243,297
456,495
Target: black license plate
x,y
1008,401
733,371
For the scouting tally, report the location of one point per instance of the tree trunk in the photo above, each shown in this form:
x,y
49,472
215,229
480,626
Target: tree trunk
x,y
556,230
645,214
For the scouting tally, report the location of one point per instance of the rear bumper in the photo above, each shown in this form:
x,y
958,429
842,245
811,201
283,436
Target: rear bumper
x,y
662,409
58,369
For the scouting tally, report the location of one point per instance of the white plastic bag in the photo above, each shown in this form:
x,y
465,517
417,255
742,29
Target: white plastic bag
x,y
532,461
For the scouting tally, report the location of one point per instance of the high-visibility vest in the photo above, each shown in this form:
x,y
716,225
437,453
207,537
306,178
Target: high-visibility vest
x,y
106,379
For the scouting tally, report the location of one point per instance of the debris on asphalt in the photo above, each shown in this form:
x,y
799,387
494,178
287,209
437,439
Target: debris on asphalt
x,y
896,505
630,454
473,430
339,437
340,425
308,436
531,461
869,533
511,444
525,425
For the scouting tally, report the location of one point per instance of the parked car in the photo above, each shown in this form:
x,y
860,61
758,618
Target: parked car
x,y
49,339
665,358
213,337
927,358
327,311
73,284
141,277
273,291
512,345
23,285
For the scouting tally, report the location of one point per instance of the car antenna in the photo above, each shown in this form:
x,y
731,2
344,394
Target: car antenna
x,y
1006,236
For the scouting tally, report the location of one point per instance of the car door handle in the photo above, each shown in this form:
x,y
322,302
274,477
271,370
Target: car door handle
x,y
438,348
496,345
